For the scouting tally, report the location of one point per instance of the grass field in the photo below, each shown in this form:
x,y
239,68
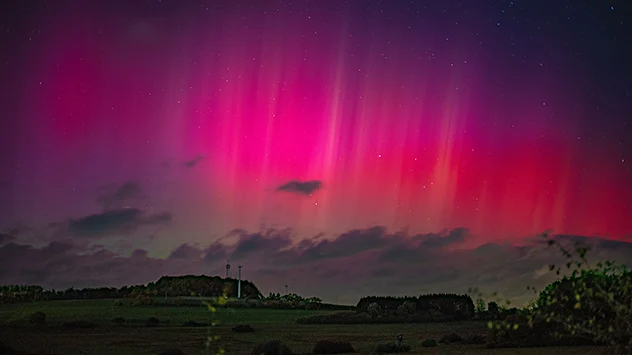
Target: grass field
x,y
135,338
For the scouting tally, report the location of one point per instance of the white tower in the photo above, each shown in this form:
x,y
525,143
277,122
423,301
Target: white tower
x,y
239,283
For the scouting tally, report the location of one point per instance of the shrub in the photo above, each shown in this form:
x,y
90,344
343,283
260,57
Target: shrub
x,y
593,304
480,306
118,320
374,309
79,324
37,319
407,307
450,338
272,347
191,323
142,300
523,331
243,328
429,343
118,302
152,322
332,347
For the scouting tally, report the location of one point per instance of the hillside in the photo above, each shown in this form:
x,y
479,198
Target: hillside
x,y
171,286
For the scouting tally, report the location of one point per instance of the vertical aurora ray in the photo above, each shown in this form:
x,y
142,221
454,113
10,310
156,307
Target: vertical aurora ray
x,y
404,127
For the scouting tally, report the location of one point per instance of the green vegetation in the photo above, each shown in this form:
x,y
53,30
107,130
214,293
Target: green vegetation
x,y
592,305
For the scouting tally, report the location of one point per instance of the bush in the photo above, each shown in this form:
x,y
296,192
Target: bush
x,y
332,347
152,322
37,319
429,343
521,331
272,347
142,300
79,324
390,348
118,302
407,307
118,320
374,309
243,328
450,338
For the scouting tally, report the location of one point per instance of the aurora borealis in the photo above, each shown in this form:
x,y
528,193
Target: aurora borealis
x,y
151,124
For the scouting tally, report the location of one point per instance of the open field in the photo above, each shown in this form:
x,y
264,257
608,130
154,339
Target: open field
x,y
135,338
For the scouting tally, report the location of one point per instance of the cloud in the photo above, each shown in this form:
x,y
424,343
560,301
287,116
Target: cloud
x,y
185,251
301,187
260,244
110,222
354,264
454,236
119,196
6,238
193,162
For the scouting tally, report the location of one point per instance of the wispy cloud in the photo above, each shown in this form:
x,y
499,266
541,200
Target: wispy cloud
x,y
301,187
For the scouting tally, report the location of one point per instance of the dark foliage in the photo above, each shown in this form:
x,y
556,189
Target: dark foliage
x,y
459,307
243,328
37,319
450,338
191,323
586,301
118,321
167,286
518,331
332,347
173,351
272,347
5,349
429,343
152,322
350,317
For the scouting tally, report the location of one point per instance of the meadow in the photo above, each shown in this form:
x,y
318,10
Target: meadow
x,y
134,337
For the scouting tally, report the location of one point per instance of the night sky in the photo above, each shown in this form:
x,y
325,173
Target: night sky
x,y
377,147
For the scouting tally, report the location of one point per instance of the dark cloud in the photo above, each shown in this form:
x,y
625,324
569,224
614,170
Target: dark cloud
x,y
301,187
117,196
347,244
439,241
354,264
193,162
139,253
260,243
5,238
123,221
185,251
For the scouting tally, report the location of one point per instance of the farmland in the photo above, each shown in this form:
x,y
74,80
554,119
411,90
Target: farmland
x,y
132,336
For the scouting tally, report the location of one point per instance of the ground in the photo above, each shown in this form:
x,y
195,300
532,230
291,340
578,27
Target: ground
x,y
135,338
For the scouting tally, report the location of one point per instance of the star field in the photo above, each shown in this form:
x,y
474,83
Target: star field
x,y
507,118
